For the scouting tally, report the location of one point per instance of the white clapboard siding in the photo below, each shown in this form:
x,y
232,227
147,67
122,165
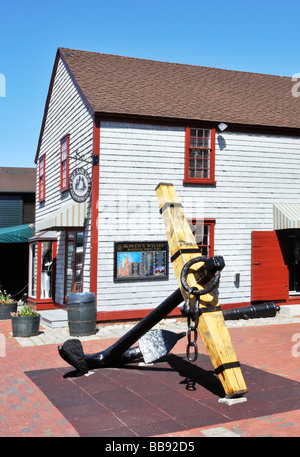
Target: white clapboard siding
x,y
67,114
253,171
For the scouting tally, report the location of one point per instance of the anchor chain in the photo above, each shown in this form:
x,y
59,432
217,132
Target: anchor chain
x,y
211,270
192,320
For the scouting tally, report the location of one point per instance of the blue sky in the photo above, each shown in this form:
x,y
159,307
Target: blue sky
x,y
258,36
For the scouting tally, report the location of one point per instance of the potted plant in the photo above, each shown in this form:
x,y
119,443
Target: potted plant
x,y
25,322
7,305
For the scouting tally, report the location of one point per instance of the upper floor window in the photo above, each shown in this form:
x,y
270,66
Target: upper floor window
x,y
42,178
64,162
200,155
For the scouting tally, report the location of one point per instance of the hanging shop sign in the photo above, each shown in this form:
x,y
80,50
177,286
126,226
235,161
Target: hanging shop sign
x,y
79,185
141,261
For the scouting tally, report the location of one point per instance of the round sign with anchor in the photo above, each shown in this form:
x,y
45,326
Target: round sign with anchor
x,y
79,185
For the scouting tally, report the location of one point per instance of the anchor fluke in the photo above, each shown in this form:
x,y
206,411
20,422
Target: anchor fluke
x,y
71,351
157,343
152,346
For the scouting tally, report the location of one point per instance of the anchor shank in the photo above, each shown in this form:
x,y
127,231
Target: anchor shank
x,y
114,352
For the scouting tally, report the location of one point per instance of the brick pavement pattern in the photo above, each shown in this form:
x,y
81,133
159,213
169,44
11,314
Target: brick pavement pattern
x,y
30,375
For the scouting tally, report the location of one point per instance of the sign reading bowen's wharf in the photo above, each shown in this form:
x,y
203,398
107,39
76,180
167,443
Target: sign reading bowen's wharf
x,y
79,185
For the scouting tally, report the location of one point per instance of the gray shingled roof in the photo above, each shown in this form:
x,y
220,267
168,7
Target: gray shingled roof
x,y
129,86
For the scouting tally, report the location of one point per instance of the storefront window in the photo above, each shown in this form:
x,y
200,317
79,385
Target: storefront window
x,y
46,270
33,270
74,262
42,261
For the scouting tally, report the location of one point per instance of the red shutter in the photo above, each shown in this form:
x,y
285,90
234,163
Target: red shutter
x,y
269,274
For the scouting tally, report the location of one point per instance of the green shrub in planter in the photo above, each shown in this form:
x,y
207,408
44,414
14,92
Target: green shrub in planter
x,y
25,322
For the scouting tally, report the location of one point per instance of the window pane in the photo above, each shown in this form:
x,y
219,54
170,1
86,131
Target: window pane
x,y
46,269
204,251
41,167
201,232
41,188
64,145
33,270
200,148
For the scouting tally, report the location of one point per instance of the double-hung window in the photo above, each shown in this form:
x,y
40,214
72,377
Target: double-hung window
x,y
203,231
42,178
64,163
199,155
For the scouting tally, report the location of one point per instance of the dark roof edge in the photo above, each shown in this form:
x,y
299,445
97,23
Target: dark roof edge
x,y
46,106
233,127
167,62
85,100
291,131
59,55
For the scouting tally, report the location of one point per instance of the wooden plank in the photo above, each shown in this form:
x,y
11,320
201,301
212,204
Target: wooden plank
x,y
211,327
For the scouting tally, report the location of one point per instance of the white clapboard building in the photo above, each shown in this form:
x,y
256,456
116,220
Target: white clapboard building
x,y
114,128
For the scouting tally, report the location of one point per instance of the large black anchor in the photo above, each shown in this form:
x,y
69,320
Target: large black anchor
x,y
153,344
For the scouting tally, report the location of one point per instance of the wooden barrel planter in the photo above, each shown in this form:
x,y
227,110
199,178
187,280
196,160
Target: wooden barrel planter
x,y
25,325
82,314
6,309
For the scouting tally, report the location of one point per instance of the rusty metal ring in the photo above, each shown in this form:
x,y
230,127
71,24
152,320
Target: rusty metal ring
x,y
194,290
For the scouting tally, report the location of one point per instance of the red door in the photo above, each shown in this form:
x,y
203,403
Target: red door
x,y
269,274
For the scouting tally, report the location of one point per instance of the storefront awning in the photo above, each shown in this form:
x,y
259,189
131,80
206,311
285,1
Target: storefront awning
x,y
68,215
286,215
17,233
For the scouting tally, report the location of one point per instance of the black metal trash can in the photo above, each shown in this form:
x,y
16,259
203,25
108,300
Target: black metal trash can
x,y
82,314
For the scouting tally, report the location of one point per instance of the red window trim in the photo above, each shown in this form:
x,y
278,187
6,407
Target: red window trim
x,y
187,178
68,232
211,223
65,187
42,179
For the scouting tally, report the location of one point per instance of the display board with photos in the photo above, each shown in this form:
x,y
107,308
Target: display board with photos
x,y
141,260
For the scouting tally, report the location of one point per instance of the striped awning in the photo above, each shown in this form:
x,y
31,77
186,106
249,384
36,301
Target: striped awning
x,y
70,214
286,215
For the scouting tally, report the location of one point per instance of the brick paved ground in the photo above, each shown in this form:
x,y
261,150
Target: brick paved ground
x,y
26,410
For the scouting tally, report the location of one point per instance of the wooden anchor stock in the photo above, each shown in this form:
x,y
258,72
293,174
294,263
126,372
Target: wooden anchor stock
x,y
211,324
